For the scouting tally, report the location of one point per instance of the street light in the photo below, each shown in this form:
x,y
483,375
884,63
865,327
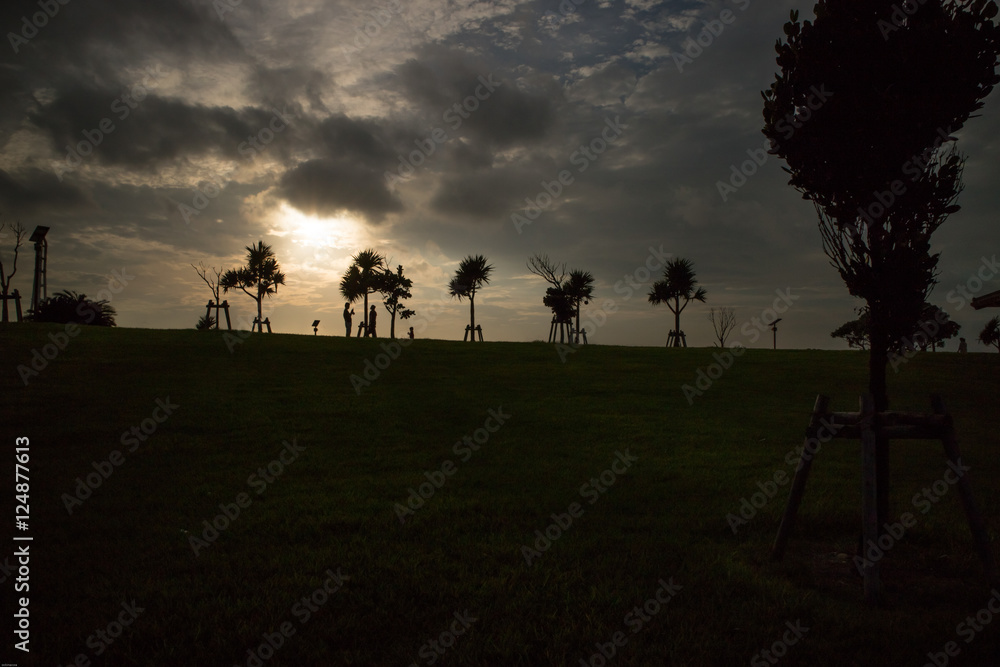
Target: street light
x,y
40,284
315,327
774,330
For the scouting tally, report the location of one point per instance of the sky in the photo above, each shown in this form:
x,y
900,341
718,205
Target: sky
x,y
153,136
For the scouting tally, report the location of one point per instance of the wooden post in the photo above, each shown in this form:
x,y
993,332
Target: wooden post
x,y
225,306
17,305
976,523
869,506
801,476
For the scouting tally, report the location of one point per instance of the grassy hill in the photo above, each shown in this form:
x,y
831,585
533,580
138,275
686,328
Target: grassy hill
x,y
640,482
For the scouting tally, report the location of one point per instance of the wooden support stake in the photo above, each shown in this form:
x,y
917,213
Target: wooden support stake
x,y
801,476
976,523
869,503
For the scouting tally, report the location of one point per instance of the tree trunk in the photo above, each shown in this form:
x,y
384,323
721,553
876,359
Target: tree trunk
x,y
472,317
677,322
578,322
392,324
366,313
5,315
260,314
878,359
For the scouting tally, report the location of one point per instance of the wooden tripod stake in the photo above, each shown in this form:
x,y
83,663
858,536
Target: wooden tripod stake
x,y
866,425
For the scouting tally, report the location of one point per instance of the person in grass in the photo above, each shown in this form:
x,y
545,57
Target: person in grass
x,y
347,318
371,323
963,347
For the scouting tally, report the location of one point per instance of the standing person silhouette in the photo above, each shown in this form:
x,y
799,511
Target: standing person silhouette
x,y
371,323
963,347
347,318
411,333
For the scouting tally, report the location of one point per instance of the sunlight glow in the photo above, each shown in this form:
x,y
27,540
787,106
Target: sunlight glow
x,y
340,233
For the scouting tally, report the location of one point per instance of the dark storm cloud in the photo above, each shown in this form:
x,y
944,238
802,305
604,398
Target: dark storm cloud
x,y
145,132
357,141
33,190
488,195
475,98
324,187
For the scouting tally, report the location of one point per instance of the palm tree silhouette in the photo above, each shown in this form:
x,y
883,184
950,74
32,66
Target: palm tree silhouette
x,y
362,278
678,283
472,274
990,335
261,274
579,289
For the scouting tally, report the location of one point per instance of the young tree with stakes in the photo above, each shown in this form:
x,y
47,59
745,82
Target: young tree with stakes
x,y
261,274
871,157
472,274
213,281
394,288
678,284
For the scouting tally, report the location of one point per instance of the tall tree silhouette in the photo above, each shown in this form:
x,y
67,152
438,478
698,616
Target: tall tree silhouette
x,y
861,111
578,289
394,288
678,284
69,306
471,275
261,274
19,233
362,278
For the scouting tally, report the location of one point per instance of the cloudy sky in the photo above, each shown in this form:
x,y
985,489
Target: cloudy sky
x,y
153,135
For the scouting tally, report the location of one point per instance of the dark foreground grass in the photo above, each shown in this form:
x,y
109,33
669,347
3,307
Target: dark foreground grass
x,y
462,552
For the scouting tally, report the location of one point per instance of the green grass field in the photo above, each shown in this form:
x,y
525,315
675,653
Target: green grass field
x,y
408,591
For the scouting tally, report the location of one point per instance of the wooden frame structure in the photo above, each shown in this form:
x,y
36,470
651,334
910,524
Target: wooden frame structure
x,y
14,296
868,425
479,330
676,339
562,327
218,306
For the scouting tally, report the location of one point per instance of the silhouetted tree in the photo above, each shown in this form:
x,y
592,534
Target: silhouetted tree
x,y
990,335
205,323
69,306
472,274
578,289
854,332
394,288
213,280
5,278
723,322
678,284
934,328
362,278
261,274
860,111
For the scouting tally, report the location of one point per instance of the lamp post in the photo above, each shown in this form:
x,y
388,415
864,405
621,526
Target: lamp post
x,y
39,284
774,331
315,327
